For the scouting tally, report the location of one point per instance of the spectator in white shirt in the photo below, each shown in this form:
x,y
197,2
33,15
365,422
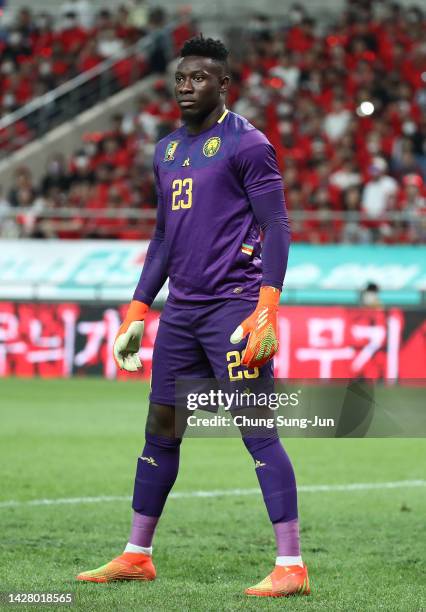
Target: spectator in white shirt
x,y
379,193
108,43
346,176
336,122
288,71
81,8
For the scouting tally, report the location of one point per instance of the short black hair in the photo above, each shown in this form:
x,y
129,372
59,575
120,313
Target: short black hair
x,y
205,47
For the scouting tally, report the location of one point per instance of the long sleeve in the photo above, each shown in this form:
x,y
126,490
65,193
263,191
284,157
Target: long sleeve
x,y
154,273
259,172
271,214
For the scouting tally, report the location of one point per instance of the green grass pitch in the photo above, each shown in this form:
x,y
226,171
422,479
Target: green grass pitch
x,y
365,549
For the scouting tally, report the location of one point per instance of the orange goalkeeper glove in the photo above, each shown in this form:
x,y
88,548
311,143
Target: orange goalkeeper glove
x,y
129,337
262,343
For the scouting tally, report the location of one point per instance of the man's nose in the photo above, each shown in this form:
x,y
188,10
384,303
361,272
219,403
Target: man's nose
x,y
186,86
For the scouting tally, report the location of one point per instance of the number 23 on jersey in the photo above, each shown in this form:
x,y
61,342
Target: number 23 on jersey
x,y
182,193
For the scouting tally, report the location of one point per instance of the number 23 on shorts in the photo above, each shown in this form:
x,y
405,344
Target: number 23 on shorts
x,y
234,363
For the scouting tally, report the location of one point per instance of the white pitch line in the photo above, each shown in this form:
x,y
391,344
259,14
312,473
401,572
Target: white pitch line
x,y
356,486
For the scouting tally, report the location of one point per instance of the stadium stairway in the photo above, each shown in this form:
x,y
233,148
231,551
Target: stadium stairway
x,y
67,137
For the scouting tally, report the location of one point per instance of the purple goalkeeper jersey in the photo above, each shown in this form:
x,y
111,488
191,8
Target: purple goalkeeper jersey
x,y
204,185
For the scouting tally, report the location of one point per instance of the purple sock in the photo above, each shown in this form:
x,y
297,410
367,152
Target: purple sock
x,y
143,528
155,474
287,538
276,477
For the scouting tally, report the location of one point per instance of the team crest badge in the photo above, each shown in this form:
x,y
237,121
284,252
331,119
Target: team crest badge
x,y
211,146
169,155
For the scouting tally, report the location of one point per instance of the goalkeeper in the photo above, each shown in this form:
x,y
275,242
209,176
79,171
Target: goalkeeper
x,y
219,189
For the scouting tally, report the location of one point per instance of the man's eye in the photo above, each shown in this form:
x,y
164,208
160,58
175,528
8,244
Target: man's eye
x,y
198,78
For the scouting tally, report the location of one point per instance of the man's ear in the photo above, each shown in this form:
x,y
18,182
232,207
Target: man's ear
x,y
224,84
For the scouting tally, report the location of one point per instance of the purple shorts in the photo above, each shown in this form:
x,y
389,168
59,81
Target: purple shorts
x,y
193,342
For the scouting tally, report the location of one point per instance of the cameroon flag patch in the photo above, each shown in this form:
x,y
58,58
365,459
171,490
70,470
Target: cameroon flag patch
x,y
247,249
169,155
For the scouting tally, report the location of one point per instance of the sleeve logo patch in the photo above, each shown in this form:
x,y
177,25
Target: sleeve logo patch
x,y
169,155
211,146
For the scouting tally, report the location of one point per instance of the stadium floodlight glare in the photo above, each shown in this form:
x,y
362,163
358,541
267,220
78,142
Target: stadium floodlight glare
x,y
365,108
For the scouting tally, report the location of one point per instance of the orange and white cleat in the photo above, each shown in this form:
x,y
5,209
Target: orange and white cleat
x,y
282,582
128,566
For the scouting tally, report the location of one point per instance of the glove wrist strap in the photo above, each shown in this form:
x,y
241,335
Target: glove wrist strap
x,y
269,296
137,311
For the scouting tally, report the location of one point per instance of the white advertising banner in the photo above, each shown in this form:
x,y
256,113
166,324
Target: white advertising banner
x,y
108,270
69,269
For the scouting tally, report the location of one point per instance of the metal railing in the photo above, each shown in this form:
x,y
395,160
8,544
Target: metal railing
x,y
86,213
39,221
400,216
150,54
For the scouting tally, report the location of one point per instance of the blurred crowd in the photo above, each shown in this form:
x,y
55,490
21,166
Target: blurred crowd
x,y
344,105
105,181
40,51
345,108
